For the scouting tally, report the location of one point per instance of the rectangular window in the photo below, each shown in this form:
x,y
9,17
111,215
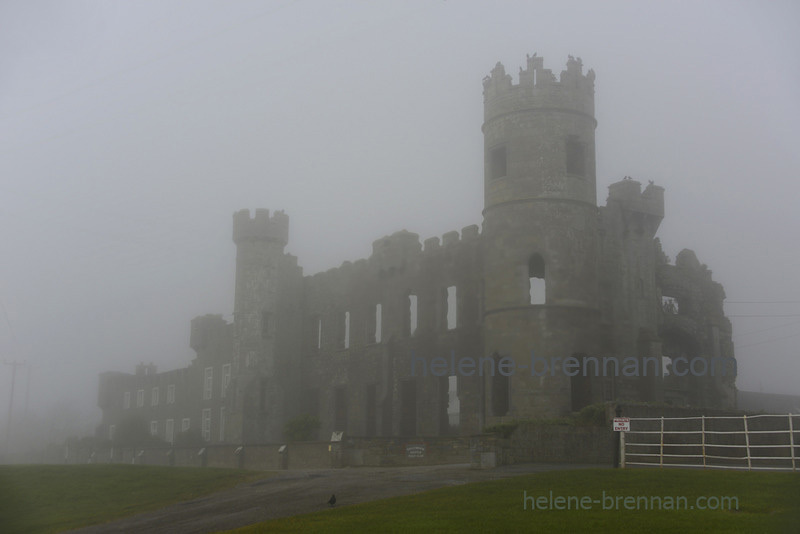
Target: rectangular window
x,y
453,404
378,322
226,379
112,431
208,383
126,400
153,428
576,161
412,314
498,163
222,423
452,313
185,424
140,398
171,394
536,285
206,424
670,305
170,431
154,397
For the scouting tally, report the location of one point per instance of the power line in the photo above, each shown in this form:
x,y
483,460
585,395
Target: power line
x,y
766,329
768,341
768,315
762,302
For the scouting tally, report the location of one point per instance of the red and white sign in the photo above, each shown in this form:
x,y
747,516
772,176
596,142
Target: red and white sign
x,y
622,424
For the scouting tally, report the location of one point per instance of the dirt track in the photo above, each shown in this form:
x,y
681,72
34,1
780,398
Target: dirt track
x,y
298,492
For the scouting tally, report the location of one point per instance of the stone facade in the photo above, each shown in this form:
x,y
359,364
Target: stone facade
x,y
551,278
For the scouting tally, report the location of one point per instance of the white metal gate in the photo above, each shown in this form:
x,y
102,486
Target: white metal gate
x,y
769,442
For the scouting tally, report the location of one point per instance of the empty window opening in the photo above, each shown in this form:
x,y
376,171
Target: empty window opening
x,y
666,366
576,160
453,404
347,330
208,383
206,424
498,162
378,322
340,408
452,313
412,314
670,305
536,289
226,379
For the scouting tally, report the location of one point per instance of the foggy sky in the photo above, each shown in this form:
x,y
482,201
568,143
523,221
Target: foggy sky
x,y
131,131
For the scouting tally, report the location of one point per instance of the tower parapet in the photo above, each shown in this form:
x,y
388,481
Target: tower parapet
x,y
262,227
538,88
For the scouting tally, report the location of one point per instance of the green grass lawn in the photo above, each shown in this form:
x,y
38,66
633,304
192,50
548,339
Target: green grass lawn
x,y
768,502
52,498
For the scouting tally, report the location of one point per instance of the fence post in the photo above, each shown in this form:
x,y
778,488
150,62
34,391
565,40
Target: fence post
x,y
791,442
747,444
622,449
703,434
617,445
661,449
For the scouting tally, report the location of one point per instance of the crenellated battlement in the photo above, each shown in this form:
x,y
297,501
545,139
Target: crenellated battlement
x,y
629,195
539,88
450,239
261,226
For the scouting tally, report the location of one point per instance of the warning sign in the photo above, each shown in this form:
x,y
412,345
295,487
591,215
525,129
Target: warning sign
x,y
622,424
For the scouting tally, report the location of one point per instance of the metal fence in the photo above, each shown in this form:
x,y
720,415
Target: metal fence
x,y
751,442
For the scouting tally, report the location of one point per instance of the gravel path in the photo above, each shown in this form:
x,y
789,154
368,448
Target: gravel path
x,y
297,492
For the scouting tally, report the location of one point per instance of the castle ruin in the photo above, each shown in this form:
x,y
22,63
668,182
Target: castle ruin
x,y
373,347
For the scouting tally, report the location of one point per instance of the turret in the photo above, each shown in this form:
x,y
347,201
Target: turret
x,y
262,227
539,134
540,230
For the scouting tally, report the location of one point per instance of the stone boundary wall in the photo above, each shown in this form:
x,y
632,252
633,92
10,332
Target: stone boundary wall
x,y
531,442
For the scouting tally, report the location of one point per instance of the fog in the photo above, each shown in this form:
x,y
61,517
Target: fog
x,y
131,131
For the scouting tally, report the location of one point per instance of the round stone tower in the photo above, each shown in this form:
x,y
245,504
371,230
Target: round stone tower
x,y
540,231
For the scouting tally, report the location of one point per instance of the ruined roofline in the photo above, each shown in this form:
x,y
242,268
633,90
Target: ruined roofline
x,y
411,242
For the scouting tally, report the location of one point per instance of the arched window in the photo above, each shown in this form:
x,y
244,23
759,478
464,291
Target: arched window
x,y
536,279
